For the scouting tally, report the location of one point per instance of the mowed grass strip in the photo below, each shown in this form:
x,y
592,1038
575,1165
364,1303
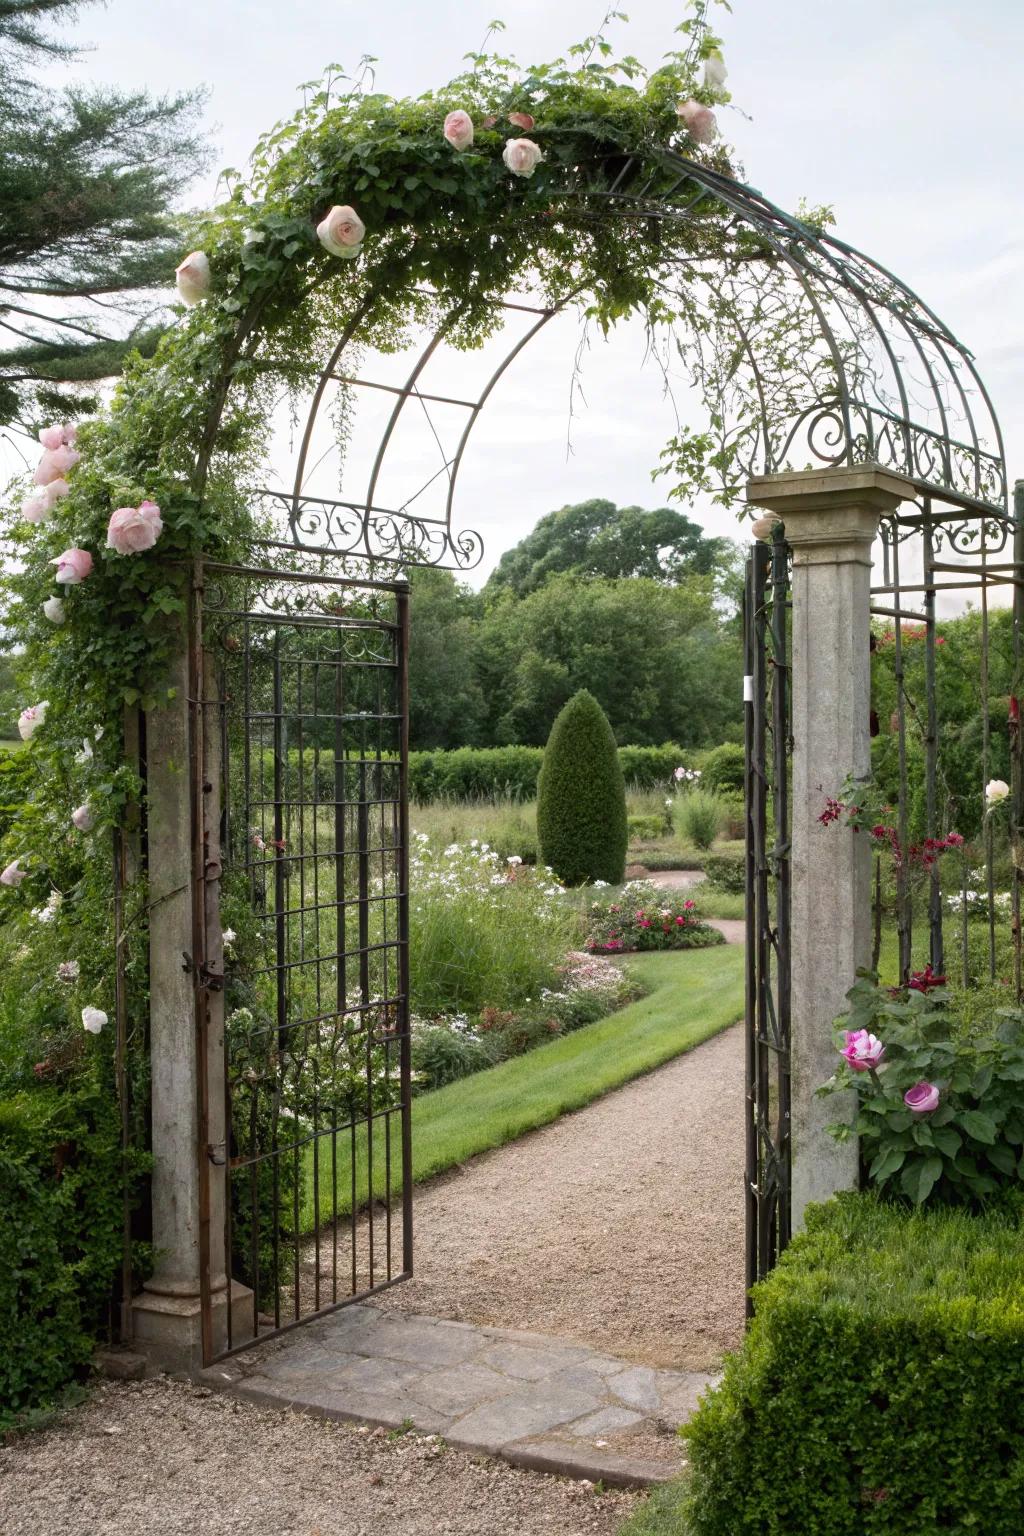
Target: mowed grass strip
x,y
693,994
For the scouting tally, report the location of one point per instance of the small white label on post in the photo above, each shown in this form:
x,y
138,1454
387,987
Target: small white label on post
x,y
748,690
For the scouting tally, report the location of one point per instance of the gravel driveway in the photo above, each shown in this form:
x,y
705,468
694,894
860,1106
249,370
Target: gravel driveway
x,y
161,1458
620,1226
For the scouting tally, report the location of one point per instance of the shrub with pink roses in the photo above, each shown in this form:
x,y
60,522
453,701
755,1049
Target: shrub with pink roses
x,y
645,917
940,1110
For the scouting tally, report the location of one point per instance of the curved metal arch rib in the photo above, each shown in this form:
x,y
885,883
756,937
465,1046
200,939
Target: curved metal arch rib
x,y
896,386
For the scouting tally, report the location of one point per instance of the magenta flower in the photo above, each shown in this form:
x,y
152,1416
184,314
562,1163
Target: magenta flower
x,y
863,1051
922,1098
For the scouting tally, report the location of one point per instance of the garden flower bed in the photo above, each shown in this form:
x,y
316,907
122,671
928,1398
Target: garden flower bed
x,y
451,1046
642,917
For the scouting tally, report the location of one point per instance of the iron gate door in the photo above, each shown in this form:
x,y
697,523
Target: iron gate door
x,y
301,690
768,749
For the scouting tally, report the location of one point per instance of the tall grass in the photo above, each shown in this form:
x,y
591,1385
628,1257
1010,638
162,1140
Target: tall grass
x,y
483,933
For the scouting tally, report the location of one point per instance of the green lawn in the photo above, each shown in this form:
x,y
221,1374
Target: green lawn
x,y
693,994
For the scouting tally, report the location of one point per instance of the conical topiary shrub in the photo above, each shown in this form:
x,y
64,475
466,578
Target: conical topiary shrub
x,y
581,797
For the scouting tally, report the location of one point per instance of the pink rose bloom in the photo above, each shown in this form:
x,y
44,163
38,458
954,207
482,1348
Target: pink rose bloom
x,y
489,122
73,566
83,818
458,129
39,508
55,463
30,719
522,156
863,1051
699,121
341,231
134,529
521,120
12,875
922,1098
192,278
58,436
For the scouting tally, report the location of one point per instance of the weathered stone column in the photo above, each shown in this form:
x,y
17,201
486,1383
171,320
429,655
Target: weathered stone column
x,y
167,1316
831,520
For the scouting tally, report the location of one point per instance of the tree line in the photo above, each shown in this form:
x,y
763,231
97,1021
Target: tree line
x,y
638,607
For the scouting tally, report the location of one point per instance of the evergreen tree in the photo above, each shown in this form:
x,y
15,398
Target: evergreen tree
x,y
581,797
88,183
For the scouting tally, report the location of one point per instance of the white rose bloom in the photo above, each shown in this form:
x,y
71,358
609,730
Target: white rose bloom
x,y
53,609
996,790
93,1019
715,72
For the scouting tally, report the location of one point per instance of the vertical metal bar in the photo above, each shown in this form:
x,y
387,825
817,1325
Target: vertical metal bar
x,y
986,758
402,867
781,870
1017,735
903,898
751,793
197,756
931,741
124,1321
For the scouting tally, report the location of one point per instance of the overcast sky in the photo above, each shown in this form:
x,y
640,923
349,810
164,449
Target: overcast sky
x,y
903,114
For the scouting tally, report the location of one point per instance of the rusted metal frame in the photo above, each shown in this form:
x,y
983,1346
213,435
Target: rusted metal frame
x,y
931,748
1017,743
402,874
904,914
198,958
396,389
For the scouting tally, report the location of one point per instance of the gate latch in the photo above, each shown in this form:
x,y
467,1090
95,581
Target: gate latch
x,y
217,1154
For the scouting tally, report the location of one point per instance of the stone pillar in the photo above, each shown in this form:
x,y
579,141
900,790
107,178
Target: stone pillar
x,y
831,519
167,1316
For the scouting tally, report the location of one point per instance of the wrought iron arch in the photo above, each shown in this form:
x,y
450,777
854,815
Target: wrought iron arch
x,y
875,375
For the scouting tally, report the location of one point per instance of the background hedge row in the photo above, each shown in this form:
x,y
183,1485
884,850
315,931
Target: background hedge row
x,y
467,773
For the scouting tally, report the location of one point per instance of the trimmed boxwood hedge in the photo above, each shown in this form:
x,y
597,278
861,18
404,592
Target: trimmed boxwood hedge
x,y
881,1386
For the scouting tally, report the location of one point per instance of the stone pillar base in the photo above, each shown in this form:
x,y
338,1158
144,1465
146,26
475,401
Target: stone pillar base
x,y
168,1329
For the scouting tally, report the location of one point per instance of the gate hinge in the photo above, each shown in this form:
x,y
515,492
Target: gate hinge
x,y
217,1153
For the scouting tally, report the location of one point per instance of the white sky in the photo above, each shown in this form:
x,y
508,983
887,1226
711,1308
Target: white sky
x,y
903,114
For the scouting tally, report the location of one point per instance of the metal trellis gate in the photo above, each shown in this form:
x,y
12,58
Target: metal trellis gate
x,y
300,701
768,749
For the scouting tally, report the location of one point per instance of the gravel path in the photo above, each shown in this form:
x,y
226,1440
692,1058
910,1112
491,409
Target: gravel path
x,y
620,1226
160,1458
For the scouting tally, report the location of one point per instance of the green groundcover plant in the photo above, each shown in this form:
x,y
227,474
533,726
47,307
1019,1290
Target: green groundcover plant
x,y
881,1386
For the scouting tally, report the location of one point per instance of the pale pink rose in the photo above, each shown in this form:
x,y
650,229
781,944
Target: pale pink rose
x,y
39,508
52,437
31,719
134,529
863,1050
489,122
53,608
192,278
73,566
922,1098
458,130
341,231
12,875
55,463
521,120
699,121
522,156
84,818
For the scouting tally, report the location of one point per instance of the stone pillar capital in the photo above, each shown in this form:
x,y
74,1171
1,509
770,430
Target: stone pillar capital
x,y
831,515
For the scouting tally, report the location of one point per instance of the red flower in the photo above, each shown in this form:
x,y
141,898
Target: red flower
x,y
923,981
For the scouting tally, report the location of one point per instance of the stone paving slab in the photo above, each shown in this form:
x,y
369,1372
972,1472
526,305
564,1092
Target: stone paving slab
x,y
539,1402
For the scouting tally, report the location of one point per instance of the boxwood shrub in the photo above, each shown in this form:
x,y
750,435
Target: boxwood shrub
x,y
881,1386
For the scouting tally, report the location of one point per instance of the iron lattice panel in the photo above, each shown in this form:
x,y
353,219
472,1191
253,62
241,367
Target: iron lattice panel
x,y
307,679
768,750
